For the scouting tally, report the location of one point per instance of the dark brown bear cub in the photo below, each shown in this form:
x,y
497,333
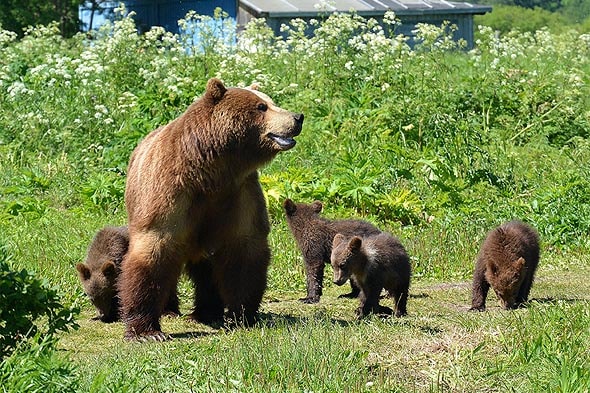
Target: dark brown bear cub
x,y
100,272
314,235
507,262
373,262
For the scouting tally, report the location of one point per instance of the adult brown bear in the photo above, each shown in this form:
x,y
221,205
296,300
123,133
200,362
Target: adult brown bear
x,y
194,200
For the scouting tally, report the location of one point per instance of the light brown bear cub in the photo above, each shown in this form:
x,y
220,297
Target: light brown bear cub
x,y
314,235
507,262
373,262
101,270
194,202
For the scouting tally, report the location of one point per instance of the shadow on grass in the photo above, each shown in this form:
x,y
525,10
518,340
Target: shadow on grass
x,y
269,319
190,335
265,320
554,300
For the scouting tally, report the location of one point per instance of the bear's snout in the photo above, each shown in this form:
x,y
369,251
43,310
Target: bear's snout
x,y
299,123
284,139
339,277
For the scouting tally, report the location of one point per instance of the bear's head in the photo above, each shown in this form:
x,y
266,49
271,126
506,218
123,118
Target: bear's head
x,y
301,214
247,121
293,209
100,284
506,280
347,258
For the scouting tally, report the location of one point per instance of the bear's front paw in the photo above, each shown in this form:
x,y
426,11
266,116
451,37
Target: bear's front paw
x,y
171,313
478,308
360,313
154,335
310,299
350,295
386,311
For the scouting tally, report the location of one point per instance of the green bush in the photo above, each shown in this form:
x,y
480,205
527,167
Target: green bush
x,y
30,309
38,368
505,18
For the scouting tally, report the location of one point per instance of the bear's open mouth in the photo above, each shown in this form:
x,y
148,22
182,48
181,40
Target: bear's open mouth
x,y
285,143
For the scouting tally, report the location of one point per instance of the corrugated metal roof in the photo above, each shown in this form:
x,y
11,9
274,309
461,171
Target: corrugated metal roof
x,y
295,8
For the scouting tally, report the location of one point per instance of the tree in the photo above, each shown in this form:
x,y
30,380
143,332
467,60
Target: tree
x,y
16,15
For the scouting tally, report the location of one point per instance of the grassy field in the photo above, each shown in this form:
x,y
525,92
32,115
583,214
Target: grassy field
x,y
435,144
439,346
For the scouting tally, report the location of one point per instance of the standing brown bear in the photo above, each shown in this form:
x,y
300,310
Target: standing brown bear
x,y
314,235
373,262
507,262
100,273
194,200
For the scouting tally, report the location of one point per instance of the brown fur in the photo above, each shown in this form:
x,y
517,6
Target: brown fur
x,y
314,235
194,200
100,272
507,262
373,262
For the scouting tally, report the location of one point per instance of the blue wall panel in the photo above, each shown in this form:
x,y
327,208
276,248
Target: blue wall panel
x,y
166,13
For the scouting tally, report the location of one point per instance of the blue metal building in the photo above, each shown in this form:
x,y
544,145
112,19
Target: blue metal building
x,y
166,13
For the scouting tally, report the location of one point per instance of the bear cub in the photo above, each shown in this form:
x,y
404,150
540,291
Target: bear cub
x,y
373,262
507,262
100,272
313,235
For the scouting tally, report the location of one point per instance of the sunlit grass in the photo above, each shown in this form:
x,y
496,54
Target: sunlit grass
x,y
436,146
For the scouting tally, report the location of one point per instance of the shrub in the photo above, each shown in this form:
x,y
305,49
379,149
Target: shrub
x,y
38,368
30,309
505,18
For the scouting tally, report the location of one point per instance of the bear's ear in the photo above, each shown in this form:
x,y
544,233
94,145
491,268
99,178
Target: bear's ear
x,y
338,238
83,271
108,269
355,243
215,89
493,267
290,207
519,264
317,206
254,86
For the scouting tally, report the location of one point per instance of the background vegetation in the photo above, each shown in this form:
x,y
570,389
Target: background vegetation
x,y
436,145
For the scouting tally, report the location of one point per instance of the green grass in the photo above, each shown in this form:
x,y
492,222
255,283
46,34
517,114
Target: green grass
x,y
439,346
435,145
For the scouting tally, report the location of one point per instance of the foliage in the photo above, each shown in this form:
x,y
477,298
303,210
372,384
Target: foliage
x,y
413,135
38,368
30,309
435,144
18,15
505,18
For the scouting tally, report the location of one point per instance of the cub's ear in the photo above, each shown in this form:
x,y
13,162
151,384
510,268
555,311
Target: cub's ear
x,y
317,206
493,267
83,271
355,243
254,86
215,89
519,264
290,207
338,238
108,269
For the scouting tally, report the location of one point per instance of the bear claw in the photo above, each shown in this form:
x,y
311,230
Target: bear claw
x,y
156,336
